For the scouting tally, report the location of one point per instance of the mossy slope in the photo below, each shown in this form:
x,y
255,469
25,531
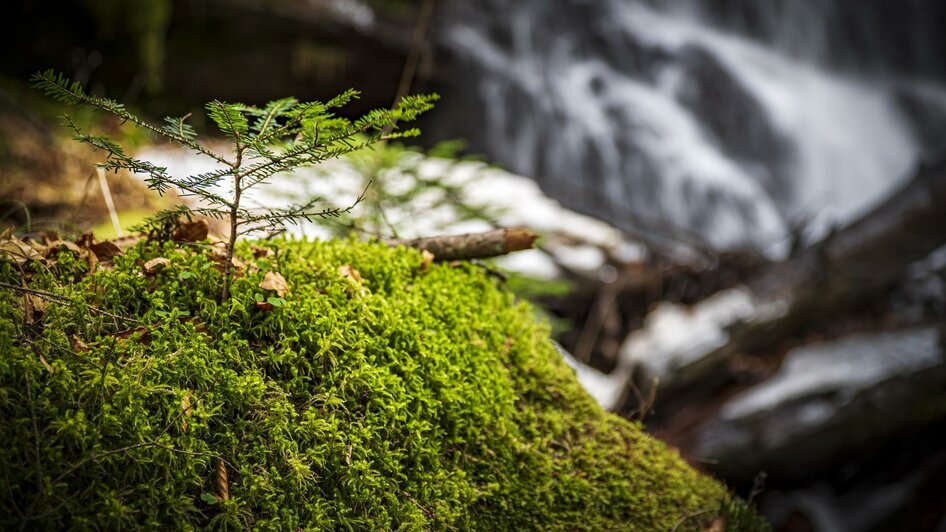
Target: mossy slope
x,y
416,399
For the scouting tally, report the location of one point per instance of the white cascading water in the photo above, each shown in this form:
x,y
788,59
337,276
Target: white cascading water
x,y
653,119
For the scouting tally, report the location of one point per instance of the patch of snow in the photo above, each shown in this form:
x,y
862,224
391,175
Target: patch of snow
x,y
605,388
844,367
358,13
580,257
531,262
675,335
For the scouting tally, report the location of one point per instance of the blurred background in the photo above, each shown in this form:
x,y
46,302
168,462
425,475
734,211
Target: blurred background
x,y
742,203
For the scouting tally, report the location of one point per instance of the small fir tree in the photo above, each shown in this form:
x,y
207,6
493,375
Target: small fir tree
x,y
279,137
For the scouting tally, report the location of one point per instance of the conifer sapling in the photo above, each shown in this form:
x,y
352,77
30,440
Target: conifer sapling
x,y
279,137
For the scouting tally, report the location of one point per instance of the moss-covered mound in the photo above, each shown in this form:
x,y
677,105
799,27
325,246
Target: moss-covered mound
x,y
378,393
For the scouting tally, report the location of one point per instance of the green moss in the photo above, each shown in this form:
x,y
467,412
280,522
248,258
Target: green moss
x,y
422,400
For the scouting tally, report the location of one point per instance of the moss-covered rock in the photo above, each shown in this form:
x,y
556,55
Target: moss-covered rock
x,y
386,396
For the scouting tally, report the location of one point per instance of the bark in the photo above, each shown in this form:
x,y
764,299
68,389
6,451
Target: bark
x,y
472,245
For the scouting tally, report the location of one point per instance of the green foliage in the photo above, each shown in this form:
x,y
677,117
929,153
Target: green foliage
x,y
285,135
401,398
403,190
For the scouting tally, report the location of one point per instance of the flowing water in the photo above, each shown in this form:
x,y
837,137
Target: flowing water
x,y
731,124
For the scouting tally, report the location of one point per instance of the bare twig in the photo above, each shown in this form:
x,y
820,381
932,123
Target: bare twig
x,y
472,245
417,46
758,486
428,511
56,298
107,195
689,516
602,307
644,404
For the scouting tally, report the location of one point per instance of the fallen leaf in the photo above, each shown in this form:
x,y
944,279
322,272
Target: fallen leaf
x,y
144,338
104,251
186,408
354,279
718,525
155,264
57,245
260,252
39,247
265,306
85,241
78,345
17,250
348,272
274,281
87,255
223,484
191,231
35,308
426,259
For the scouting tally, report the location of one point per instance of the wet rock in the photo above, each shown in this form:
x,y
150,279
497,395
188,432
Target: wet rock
x,y
826,400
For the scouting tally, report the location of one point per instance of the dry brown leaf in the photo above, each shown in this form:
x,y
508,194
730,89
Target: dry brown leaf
x,y
155,264
223,484
426,259
348,272
143,332
260,252
190,231
87,255
35,308
39,247
265,306
354,279
104,251
46,365
85,241
186,408
718,525
53,246
78,345
17,250
275,282
6,233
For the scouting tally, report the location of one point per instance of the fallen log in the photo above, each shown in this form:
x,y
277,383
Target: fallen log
x,y
472,245
826,402
847,270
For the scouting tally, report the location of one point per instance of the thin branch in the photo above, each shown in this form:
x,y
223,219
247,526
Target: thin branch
x,y
473,245
688,516
49,81
56,298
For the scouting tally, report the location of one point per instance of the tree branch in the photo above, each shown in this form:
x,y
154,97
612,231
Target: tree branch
x,y
472,245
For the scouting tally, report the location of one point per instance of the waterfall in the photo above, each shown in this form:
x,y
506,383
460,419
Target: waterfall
x,y
689,121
